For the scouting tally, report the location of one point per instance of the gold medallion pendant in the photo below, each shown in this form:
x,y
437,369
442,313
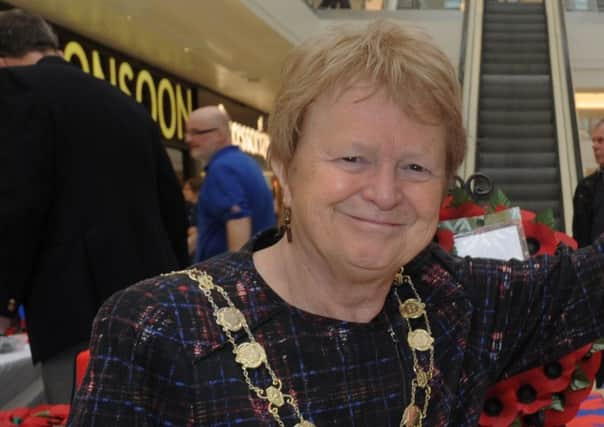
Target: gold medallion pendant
x,y
412,309
230,318
250,355
420,339
275,396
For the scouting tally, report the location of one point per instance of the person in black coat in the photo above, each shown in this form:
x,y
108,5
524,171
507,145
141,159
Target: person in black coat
x,y
89,202
588,201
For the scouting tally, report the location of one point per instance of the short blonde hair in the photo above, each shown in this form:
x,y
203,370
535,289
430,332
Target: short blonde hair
x,y
403,60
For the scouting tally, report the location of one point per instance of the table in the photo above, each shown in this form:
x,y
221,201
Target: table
x,y
20,381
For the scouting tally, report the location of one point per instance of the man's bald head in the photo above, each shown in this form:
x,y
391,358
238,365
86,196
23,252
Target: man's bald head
x,y
208,131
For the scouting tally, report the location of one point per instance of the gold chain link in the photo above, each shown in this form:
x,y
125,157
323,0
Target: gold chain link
x,y
251,354
422,377
248,360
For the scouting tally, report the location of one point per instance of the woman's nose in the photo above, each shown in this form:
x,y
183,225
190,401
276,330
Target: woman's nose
x,y
383,188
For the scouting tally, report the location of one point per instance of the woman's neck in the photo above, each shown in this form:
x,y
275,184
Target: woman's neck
x,y
316,287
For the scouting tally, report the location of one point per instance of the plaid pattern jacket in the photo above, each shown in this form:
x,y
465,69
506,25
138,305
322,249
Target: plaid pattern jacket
x,y
160,359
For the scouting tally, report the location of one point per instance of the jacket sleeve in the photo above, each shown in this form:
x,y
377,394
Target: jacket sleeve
x,y
26,185
533,312
171,202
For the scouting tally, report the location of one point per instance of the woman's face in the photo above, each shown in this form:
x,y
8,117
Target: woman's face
x,y
365,183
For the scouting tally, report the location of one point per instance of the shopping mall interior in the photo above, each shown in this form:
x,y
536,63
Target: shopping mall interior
x,y
528,108
230,52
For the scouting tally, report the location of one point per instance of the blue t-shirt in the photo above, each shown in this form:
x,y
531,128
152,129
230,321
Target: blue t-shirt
x,y
233,188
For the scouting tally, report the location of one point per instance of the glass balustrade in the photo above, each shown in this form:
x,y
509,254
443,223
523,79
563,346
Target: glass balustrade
x,y
378,5
585,5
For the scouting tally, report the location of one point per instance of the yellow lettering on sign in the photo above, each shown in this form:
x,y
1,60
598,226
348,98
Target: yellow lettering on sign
x,y
97,68
165,87
144,78
169,104
112,71
183,110
75,49
125,72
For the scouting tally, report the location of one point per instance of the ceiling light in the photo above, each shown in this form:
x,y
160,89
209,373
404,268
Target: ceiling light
x,y
589,100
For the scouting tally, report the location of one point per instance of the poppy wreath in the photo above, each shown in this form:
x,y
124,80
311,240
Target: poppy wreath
x,y
548,395
39,416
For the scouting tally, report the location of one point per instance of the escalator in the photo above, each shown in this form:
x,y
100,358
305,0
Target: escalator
x,y
517,139
516,143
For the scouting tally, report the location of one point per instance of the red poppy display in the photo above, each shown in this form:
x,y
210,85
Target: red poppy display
x,y
444,238
39,416
553,392
464,210
543,237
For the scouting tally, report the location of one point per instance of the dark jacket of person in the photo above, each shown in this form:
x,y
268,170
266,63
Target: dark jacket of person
x,y
89,202
583,209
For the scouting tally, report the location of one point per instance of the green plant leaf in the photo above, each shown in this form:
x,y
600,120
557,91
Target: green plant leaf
x,y
516,423
546,217
579,379
460,196
556,404
498,198
598,345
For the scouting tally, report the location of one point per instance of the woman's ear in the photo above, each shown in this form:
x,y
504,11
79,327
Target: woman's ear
x,y
281,174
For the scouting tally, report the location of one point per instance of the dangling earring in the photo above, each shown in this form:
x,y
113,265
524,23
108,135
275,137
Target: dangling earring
x,y
286,227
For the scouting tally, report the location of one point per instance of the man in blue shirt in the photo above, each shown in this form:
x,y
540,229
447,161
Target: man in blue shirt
x,y
234,201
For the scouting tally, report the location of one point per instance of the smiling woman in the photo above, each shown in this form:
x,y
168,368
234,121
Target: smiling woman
x,y
348,315
364,186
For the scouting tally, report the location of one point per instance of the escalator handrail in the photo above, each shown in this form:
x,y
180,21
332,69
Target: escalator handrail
x,y
571,91
464,40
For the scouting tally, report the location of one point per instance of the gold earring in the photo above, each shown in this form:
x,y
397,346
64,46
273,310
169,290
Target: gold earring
x,y
286,227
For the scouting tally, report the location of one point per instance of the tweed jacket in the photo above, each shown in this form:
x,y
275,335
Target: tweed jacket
x,y
159,358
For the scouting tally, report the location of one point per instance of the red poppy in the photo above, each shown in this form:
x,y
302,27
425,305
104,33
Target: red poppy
x,y
572,401
11,330
557,375
527,215
500,407
530,393
445,239
590,364
566,239
541,236
39,416
465,210
13,417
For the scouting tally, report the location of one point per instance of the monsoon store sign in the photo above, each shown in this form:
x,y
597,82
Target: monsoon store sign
x,y
169,100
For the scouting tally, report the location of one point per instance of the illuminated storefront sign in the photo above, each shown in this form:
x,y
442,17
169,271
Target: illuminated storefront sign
x,y
249,139
168,100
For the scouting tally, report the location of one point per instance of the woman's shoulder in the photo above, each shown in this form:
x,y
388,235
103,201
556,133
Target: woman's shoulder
x,y
181,305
